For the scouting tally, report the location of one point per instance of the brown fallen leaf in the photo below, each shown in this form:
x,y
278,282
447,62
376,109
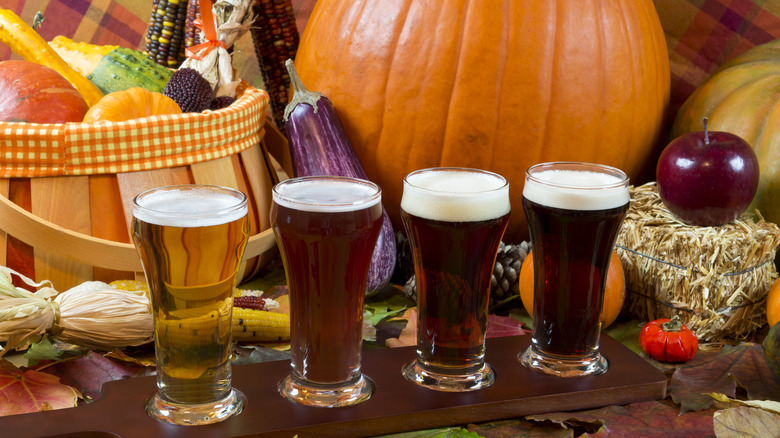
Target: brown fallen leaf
x,y
520,428
25,391
722,372
408,335
88,373
743,422
497,326
642,419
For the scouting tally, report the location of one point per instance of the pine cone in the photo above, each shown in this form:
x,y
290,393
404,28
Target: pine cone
x,y
504,282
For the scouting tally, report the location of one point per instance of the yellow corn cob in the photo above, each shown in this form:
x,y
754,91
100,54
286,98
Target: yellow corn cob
x,y
165,35
202,329
25,42
251,325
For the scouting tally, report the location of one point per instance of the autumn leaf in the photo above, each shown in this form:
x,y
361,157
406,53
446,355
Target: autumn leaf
x,y
722,372
408,335
25,391
521,428
498,326
745,422
89,372
634,420
450,432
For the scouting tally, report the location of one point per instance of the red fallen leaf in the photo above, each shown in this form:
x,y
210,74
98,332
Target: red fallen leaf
x,y
88,373
25,391
721,372
498,326
635,420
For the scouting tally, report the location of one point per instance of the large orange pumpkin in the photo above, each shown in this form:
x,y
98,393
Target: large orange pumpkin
x,y
493,85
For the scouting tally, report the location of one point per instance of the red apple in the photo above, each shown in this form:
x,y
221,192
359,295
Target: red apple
x,y
707,178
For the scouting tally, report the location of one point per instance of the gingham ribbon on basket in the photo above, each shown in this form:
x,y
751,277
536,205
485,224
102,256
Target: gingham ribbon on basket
x,y
155,142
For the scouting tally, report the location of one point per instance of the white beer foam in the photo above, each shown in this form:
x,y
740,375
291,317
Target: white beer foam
x,y
189,208
576,190
327,196
455,196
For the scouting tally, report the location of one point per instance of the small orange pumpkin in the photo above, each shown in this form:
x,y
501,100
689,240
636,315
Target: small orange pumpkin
x,y
129,104
614,293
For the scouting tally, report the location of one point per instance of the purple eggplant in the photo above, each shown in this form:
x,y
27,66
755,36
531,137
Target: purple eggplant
x,y
319,146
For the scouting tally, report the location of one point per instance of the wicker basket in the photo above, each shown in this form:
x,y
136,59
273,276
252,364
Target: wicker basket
x,y
716,278
67,188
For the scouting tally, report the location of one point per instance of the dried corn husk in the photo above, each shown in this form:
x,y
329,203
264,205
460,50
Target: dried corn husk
x,y
214,63
715,278
92,314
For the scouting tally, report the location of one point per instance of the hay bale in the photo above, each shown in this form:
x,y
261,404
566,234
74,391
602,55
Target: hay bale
x,y
716,278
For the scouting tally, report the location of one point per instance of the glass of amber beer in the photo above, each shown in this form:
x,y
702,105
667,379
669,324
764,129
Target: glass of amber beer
x,y
326,228
191,240
574,213
455,219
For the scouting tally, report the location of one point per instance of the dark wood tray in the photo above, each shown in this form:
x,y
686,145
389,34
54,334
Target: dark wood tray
x,y
397,405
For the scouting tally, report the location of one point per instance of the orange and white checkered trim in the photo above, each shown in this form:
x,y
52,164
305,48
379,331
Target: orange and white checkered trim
x,y
155,142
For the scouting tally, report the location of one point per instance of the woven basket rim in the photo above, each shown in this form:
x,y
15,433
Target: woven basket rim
x,y
148,143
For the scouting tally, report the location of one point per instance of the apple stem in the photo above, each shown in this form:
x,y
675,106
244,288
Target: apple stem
x,y
706,132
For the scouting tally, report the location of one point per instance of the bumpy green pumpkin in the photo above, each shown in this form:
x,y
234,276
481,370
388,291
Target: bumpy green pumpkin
x,y
742,97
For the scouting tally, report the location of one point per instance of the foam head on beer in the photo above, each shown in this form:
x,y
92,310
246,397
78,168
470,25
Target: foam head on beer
x,y
189,207
327,195
455,195
576,189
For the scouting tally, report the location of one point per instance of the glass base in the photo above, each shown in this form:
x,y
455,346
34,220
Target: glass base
x,y
590,366
326,396
482,378
196,414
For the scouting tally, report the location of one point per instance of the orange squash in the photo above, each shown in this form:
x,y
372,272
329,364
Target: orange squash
x,y
499,86
614,292
129,104
34,93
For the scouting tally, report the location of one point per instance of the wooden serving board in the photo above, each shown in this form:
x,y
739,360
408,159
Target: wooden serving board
x,y
396,406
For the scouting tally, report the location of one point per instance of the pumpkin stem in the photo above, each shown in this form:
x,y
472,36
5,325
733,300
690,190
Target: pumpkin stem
x,y
706,132
302,94
673,325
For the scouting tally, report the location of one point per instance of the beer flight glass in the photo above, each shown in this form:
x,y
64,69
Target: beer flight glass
x,y
455,219
574,213
191,240
326,229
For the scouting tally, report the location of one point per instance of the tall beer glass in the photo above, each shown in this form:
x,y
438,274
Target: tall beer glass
x,y
191,239
454,219
326,228
574,213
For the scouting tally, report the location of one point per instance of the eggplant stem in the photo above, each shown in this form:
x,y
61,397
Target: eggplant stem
x,y
302,94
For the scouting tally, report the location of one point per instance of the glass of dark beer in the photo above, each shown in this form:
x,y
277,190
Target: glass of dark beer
x,y
326,228
574,213
455,219
191,241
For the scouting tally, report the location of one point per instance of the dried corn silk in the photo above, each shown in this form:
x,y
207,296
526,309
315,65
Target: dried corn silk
x,y
716,278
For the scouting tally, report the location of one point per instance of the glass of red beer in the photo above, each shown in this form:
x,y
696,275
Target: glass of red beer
x,y
326,228
455,219
574,213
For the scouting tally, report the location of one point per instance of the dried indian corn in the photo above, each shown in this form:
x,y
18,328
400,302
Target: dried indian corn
x,y
191,32
165,35
276,40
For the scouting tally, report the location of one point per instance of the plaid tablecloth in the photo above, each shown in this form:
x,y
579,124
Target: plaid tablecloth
x,y
700,34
